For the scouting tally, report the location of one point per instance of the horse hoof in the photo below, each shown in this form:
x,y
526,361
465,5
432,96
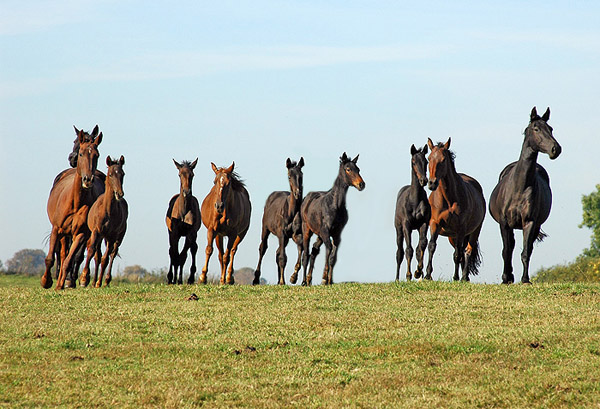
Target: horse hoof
x,y
294,278
46,282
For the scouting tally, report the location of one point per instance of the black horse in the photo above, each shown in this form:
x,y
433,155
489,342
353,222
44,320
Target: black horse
x,y
413,213
522,198
282,218
325,214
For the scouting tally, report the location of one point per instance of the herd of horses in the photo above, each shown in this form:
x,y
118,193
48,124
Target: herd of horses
x,y
87,207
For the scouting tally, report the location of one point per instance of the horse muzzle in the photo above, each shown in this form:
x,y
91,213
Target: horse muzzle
x,y
555,151
361,185
423,182
433,184
119,195
220,207
87,182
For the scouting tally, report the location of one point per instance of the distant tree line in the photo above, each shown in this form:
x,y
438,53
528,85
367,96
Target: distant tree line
x,y
586,267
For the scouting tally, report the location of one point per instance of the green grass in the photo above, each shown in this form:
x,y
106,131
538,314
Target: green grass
x,y
418,345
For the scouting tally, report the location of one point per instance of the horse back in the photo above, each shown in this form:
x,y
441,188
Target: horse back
x,y
276,212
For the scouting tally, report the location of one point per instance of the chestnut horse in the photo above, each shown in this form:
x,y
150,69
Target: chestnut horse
x,y
225,213
183,220
413,213
282,218
71,197
325,214
457,210
522,198
107,219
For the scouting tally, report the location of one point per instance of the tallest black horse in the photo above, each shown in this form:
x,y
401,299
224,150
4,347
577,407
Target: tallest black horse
x,y
522,198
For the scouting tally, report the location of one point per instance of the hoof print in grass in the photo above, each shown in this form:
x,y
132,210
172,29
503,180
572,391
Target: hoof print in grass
x,y
536,345
192,297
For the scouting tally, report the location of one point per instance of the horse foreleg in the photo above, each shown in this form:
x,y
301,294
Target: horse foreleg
x,y
182,260
105,258
409,250
78,240
421,250
113,253
222,256
327,268
91,251
336,241
294,276
209,250
262,249
281,259
232,249
46,280
431,247
193,250
399,250
306,233
173,257
508,245
313,255
530,233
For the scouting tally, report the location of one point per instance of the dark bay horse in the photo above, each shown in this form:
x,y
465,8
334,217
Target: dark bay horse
x,y
457,210
522,198
325,214
107,219
413,213
183,220
282,218
72,194
225,213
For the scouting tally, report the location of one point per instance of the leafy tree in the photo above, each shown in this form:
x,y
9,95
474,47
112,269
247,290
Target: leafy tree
x,y
591,219
27,261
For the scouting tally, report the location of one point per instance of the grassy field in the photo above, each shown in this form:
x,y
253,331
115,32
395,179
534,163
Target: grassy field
x,y
420,345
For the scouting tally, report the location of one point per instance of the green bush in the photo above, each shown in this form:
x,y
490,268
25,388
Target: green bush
x,y
583,269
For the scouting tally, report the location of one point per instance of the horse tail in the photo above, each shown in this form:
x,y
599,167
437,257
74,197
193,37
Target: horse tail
x,y
541,236
474,259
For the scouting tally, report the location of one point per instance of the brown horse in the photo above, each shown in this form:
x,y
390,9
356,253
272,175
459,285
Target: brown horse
x,y
225,213
457,210
183,220
71,197
107,219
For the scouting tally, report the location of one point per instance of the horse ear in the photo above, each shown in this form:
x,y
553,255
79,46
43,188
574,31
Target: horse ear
x,y
230,169
355,159
344,157
430,143
301,163
546,115
177,164
534,115
425,149
214,167
193,164
447,144
413,150
109,161
76,130
98,139
81,136
122,160
288,163
95,131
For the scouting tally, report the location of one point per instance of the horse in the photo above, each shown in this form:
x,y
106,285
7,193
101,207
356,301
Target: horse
x,y
522,198
281,217
457,210
225,213
413,212
183,220
107,219
325,214
72,194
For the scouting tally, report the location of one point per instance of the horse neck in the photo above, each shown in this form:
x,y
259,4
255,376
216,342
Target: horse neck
x,y
109,196
338,191
524,173
79,193
453,186
415,186
293,205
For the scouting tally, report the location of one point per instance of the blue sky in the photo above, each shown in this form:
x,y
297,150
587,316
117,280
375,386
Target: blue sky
x,y
257,82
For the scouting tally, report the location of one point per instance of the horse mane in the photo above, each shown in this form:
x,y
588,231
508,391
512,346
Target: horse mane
x,y
236,182
450,152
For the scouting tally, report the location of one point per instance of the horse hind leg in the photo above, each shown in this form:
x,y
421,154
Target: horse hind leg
x,y
232,249
336,241
409,252
421,250
46,280
530,233
313,255
431,247
281,260
193,251
262,250
399,250
298,265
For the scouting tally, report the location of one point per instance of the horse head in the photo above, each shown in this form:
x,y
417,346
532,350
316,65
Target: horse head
x,y
115,175
222,182
186,175
87,156
419,163
441,161
295,177
539,134
350,172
